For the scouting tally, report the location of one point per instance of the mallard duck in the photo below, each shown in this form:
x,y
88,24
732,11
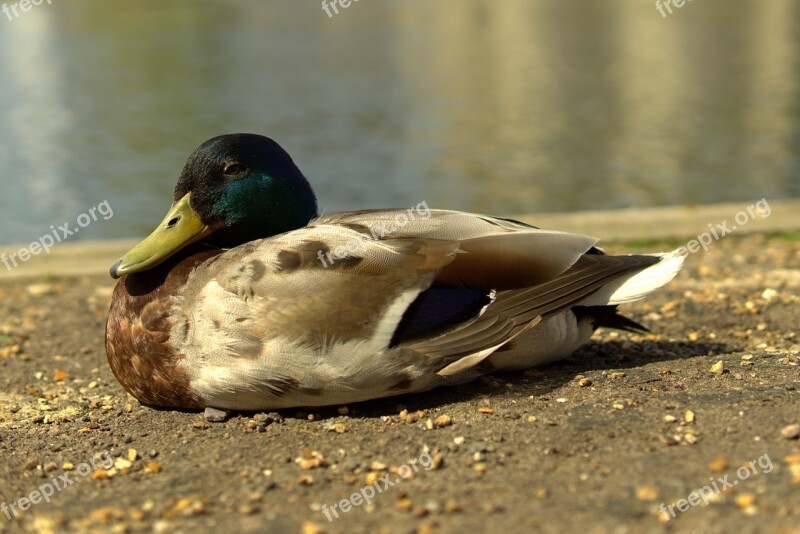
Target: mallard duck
x,y
245,298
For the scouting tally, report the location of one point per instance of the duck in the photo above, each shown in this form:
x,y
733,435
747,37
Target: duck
x,y
246,298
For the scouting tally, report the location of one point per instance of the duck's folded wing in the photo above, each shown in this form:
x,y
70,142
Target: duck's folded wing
x,y
437,224
498,253
451,302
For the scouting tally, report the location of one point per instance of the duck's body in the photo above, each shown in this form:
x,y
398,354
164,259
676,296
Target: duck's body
x,y
356,306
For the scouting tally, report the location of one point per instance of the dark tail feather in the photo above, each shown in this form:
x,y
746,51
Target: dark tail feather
x,y
608,317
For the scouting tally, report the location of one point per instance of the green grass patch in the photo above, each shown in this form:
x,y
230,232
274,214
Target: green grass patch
x,y
671,243
792,236
664,243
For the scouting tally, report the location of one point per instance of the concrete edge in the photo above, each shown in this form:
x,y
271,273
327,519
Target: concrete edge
x,y
96,257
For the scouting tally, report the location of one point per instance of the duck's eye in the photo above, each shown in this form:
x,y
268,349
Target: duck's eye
x,y
232,169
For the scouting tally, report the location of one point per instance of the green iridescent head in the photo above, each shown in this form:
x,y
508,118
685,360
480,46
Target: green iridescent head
x,y
233,189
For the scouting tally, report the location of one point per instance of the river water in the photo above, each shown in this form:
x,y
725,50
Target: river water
x,y
503,107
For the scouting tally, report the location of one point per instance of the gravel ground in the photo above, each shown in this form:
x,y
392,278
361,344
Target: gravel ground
x,y
597,442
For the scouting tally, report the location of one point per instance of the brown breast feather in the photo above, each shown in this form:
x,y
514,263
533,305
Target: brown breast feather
x,y
138,329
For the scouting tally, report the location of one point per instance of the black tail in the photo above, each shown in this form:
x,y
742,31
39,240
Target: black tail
x,y
608,317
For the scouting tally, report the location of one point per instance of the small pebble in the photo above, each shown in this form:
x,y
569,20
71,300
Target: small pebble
x,y
743,500
213,415
403,504
718,464
153,467
750,510
791,431
309,527
377,465
60,375
443,420
666,439
452,507
647,493
101,474
309,459
768,294
247,509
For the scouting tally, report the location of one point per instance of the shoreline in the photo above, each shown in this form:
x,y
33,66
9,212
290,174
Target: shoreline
x,y
610,226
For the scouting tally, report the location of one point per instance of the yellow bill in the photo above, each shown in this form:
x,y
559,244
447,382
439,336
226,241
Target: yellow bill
x,y
181,227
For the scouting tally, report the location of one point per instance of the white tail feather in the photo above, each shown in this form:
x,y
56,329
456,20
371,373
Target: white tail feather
x,y
638,285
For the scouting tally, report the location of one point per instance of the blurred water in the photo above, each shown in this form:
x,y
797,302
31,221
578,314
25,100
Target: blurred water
x,y
518,106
